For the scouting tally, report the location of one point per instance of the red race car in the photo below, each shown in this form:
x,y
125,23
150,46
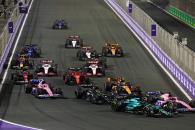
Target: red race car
x,y
75,76
21,77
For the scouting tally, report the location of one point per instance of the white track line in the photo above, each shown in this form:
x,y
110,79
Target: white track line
x,y
150,52
19,125
6,71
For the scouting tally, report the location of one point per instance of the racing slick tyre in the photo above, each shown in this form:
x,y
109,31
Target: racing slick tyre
x,y
93,100
192,103
59,91
107,87
38,54
54,27
28,89
78,53
148,112
13,77
68,81
115,106
104,52
66,44
78,93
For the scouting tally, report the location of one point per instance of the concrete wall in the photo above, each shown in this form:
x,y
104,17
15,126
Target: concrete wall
x,y
180,54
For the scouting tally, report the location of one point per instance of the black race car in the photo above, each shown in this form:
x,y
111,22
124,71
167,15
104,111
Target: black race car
x,y
86,53
92,94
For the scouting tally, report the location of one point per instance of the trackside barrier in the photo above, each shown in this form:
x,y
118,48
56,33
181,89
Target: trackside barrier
x,y
183,79
183,16
6,38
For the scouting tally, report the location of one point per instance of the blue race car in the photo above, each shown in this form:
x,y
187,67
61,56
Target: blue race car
x,y
32,50
60,24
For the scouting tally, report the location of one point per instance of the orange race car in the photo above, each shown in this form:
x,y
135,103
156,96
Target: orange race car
x,y
118,86
112,49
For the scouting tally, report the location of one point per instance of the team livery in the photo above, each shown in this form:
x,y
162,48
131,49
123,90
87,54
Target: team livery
x,y
87,52
21,76
94,68
32,50
40,89
112,49
46,68
74,41
76,76
22,62
60,24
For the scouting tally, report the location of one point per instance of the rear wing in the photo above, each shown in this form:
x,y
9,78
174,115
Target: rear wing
x,y
47,61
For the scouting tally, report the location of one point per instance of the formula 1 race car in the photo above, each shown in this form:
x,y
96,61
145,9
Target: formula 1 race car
x,y
122,103
74,41
181,105
46,68
101,61
22,62
92,68
168,109
112,49
138,106
60,24
40,89
161,98
21,77
117,86
86,53
75,76
93,94
32,50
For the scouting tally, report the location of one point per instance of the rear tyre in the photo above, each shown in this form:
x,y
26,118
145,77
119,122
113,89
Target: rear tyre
x,y
192,103
107,87
115,107
28,90
78,93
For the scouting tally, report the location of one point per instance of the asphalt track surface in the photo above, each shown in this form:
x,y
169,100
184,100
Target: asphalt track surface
x,y
95,23
169,23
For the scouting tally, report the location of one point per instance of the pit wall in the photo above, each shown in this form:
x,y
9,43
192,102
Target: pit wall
x,y
178,60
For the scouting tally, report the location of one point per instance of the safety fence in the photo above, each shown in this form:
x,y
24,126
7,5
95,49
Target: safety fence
x,y
176,58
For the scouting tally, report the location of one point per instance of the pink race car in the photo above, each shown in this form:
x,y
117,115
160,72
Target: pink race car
x,y
163,98
40,89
